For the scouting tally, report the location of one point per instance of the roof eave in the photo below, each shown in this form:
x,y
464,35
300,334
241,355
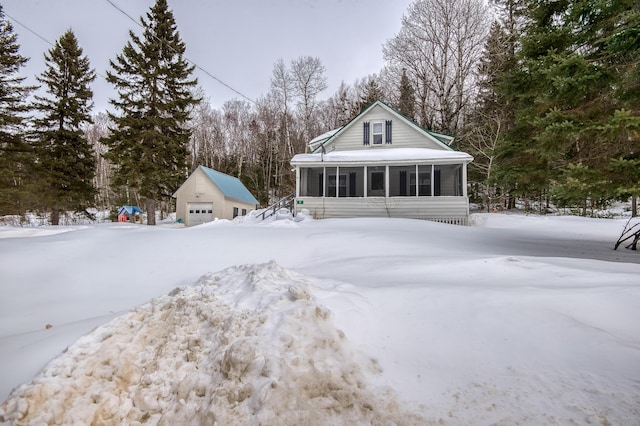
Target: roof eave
x,y
393,162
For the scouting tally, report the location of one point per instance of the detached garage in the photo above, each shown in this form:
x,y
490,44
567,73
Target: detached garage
x,y
208,194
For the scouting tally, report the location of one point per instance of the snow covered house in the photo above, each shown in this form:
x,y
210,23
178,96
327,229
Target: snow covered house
x,y
381,164
208,194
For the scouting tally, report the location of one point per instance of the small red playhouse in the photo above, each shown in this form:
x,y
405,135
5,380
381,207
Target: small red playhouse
x,y
130,214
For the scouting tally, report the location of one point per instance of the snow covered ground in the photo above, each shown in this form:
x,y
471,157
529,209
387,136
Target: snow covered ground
x,y
514,320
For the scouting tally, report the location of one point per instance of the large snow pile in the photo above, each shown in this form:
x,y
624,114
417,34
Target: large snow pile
x,y
247,345
517,319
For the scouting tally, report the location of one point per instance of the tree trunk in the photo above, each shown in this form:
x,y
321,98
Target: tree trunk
x,y
151,212
55,217
634,206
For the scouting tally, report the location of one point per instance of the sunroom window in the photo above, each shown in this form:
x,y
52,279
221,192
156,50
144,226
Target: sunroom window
x,y
338,182
448,180
354,181
402,181
311,182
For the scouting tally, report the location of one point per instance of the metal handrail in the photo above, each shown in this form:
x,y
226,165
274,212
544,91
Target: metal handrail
x,y
286,202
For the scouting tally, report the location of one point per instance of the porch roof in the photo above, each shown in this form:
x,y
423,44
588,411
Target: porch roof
x,y
382,155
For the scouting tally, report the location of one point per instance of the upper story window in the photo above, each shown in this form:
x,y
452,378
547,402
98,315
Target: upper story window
x,y
377,132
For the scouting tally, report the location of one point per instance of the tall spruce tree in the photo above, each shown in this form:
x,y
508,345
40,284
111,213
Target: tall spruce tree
x,y
567,97
491,115
66,161
490,118
407,101
16,156
519,167
622,46
371,92
149,145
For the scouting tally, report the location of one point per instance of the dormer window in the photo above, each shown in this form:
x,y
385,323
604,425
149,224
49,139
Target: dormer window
x,y
377,133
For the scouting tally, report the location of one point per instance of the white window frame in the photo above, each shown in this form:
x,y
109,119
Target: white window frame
x,y
374,133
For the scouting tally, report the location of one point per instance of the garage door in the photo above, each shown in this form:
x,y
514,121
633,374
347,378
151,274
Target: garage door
x,y
199,213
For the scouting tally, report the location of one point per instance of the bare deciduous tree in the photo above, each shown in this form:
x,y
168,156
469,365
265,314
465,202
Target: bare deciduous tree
x,y
308,81
93,133
238,117
439,45
282,88
206,146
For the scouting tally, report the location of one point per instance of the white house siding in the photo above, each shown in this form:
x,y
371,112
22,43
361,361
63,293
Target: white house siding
x,y
403,135
230,203
453,210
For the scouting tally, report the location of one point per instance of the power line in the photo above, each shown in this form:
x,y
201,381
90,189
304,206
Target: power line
x,y
28,29
186,58
39,36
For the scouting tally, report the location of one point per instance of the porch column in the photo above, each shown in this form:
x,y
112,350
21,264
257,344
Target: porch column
x,y
366,181
386,181
433,175
297,181
464,179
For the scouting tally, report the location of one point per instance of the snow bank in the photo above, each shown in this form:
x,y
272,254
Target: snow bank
x,y
282,217
247,345
38,231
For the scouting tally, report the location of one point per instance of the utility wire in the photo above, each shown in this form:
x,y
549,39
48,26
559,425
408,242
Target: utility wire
x,y
27,28
39,36
186,58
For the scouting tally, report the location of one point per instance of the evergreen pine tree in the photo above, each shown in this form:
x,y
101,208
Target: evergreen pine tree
x,y
490,118
371,92
622,49
16,156
149,145
66,161
407,101
521,169
566,92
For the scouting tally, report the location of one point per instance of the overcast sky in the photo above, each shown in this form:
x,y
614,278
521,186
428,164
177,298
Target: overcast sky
x,y
235,41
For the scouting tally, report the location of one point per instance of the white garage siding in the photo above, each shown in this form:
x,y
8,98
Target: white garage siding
x,y
208,194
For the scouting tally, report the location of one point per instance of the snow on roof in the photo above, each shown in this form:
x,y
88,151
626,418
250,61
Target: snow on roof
x,y
230,186
324,136
378,155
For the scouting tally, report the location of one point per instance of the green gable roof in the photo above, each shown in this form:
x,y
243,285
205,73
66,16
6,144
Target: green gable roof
x,y
230,186
444,140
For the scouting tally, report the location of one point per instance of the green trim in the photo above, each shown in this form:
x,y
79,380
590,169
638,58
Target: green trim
x,y
441,137
446,140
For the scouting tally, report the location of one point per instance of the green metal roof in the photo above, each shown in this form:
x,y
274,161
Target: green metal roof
x,y
230,186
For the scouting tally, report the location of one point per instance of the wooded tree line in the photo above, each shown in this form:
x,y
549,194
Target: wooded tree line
x,y
543,94
557,115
